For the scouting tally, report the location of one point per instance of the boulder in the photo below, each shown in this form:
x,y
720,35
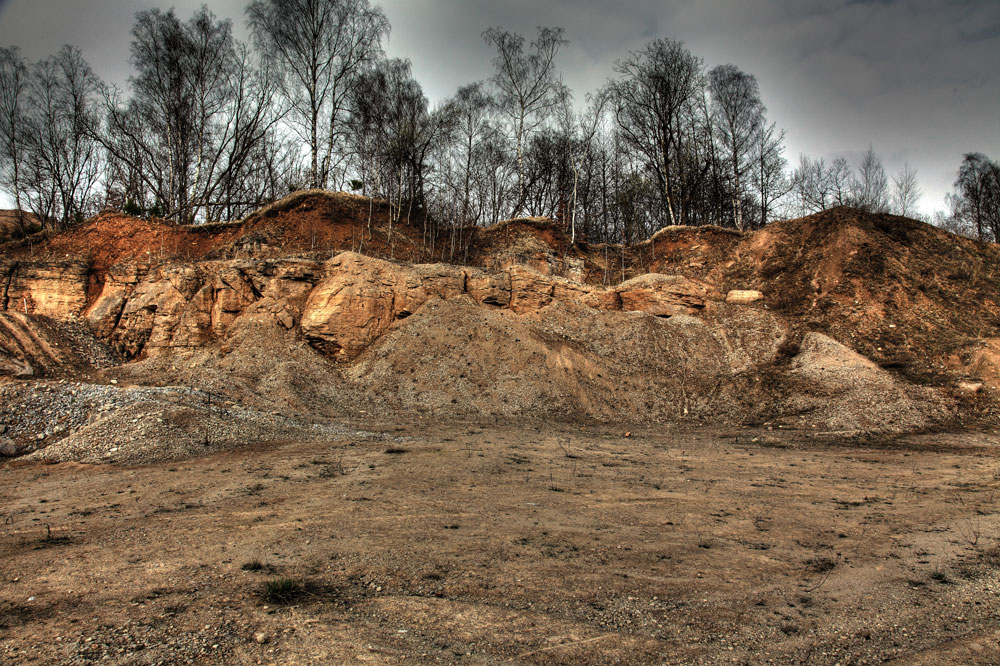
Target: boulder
x,y
662,295
743,296
361,297
7,447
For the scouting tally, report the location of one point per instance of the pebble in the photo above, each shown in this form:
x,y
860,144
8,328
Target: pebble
x,y
7,447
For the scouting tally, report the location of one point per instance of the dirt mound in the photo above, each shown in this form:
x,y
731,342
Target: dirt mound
x,y
568,362
15,222
842,390
179,424
901,292
312,221
317,221
260,365
112,239
536,242
690,251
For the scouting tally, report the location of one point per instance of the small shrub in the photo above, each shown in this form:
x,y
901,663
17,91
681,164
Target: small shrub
x,y
941,577
282,590
252,565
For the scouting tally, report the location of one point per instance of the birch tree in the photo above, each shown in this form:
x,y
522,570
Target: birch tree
x,y
318,48
529,87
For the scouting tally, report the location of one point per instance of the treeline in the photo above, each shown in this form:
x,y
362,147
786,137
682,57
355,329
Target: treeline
x,y
974,205
210,128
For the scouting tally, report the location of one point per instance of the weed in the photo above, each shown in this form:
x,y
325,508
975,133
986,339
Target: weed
x,y
940,576
252,565
282,590
255,489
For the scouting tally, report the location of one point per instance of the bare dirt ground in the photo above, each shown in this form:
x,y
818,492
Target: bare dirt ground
x,y
482,544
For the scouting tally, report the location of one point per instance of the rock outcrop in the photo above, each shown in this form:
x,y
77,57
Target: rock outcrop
x,y
361,297
341,306
662,295
726,327
54,289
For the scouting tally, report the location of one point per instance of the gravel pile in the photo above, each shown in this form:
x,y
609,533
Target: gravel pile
x,y
38,413
93,353
159,430
97,423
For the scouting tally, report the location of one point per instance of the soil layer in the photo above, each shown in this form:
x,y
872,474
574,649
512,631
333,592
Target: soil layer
x,y
482,544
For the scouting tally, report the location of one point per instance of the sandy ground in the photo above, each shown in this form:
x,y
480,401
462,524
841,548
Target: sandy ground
x,y
483,544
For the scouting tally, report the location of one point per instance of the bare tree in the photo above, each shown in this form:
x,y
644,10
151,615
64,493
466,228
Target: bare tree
x,y
13,90
470,107
977,196
767,172
840,177
870,189
812,186
953,219
240,170
738,115
185,145
529,86
181,94
62,157
587,126
319,47
653,98
905,192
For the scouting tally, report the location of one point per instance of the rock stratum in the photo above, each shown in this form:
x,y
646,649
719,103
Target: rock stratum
x,y
308,310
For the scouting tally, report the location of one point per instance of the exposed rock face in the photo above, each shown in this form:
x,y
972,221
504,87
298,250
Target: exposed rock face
x,y
342,306
54,289
662,295
362,297
188,306
104,313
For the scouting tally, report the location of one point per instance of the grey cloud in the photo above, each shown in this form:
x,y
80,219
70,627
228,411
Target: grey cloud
x,y
919,79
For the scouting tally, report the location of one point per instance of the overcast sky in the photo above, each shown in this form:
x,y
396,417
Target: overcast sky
x,y
918,79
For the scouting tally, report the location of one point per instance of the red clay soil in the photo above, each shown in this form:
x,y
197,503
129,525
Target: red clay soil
x,y
691,251
901,292
311,222
317,222
114,238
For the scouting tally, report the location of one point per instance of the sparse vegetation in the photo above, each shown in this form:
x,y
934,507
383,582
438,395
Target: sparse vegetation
x,y
282,590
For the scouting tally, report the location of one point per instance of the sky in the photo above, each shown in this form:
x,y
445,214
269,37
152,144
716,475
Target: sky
x,y
919,80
